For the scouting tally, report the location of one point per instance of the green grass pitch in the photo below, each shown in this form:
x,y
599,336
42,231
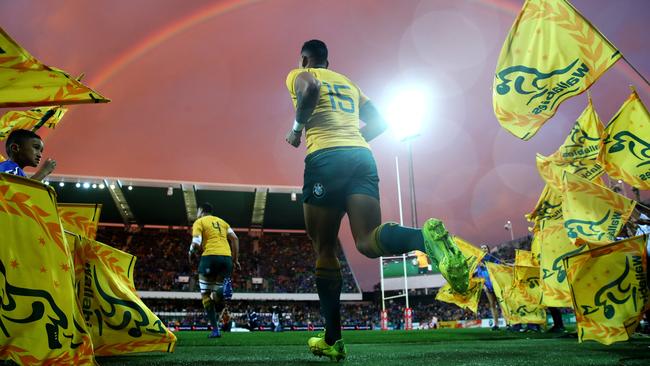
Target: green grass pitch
x,y
404,348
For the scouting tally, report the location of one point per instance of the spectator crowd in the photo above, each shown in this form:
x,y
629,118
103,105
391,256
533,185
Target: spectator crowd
x,y
274,262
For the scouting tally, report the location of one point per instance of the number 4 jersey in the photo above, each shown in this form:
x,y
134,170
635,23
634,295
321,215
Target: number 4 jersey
x,y
335,121
214,235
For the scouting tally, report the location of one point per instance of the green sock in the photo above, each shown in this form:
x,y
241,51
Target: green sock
x,y
328,284
397,239
208,305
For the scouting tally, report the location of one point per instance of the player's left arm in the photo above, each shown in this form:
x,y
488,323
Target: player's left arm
x,y
307,90
233,240
375,124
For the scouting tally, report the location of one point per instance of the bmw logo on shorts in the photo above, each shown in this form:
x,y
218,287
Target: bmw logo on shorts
x,y
319,190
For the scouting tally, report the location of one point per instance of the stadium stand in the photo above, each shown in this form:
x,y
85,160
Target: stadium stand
x,y
275,262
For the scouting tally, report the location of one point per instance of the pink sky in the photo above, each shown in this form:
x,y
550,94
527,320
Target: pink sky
x,y
198,94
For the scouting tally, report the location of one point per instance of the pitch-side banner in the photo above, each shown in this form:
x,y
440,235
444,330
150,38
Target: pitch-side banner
x,y
610,289
626,144
40,320
80,218
551,54
118,320
25,81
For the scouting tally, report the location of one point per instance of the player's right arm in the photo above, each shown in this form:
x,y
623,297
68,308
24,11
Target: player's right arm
x,y
307,91
375,124
197,239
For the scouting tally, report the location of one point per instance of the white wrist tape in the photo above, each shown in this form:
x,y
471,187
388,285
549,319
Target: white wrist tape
x,y
297,127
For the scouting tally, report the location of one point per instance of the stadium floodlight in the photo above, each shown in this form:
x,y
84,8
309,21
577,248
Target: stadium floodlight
x,y
130,188
101,186
112,186
407,110
78,185
61,184
86,185
94,185
47,182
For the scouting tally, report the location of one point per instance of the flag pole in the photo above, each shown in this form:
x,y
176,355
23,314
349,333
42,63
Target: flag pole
x,y
608,41
635,70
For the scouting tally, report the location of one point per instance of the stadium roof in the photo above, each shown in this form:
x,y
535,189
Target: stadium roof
x,y
173,203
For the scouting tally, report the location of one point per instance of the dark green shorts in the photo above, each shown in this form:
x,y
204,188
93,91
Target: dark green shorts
x,y
219,266
331,175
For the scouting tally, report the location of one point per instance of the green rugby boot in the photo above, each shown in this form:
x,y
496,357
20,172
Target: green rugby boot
x,y
319,347
443,251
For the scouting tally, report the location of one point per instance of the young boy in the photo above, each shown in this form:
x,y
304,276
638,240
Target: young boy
x,y
25,148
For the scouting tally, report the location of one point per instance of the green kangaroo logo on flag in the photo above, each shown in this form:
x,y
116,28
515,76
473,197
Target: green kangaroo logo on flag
x,y
558,268
42,304
585,228
612,292
578,136
636,145
131,314
548,211
532,282
550,94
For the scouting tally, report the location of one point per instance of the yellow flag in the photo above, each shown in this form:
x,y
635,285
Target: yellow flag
x,y
41,320
626,144
610,289
31,119
555,245
80,218
473,255
593,213
583,141
526,295
548,207
551,54
524,258
118,320
24,81
535,249
553,171
501,277
467,301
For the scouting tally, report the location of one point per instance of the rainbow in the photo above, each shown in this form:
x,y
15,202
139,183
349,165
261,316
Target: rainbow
x,y
168,31
222,7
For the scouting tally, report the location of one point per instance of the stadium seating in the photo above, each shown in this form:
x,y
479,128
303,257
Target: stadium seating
x,y
277,263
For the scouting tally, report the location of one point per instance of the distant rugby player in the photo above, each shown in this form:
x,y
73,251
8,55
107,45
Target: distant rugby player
x,y
341,177
220,253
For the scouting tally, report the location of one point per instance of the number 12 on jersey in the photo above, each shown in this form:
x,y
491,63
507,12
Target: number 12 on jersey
x,y
342,102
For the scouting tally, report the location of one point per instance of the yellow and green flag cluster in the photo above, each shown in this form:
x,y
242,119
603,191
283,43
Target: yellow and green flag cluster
x,y
609,289
66,298
551,54
518,293
25,81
